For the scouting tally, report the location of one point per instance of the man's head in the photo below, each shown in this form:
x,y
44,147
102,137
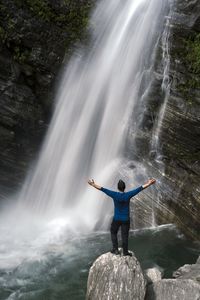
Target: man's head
x,y
121,185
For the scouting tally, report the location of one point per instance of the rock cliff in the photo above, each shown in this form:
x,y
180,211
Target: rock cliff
x,y
180,133
35,37
174,158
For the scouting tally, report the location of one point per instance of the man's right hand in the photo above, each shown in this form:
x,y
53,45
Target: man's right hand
x,y
91,182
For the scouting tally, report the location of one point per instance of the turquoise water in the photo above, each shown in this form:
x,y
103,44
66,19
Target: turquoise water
x,y
61,272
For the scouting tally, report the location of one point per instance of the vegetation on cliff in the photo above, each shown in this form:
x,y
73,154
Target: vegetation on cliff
x,y
193,54
18,17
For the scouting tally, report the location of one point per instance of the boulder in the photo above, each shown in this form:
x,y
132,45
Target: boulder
x,y
173,289
152,275
189,272
115,277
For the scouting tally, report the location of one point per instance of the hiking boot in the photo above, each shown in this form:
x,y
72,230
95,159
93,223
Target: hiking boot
x,y
127,254
115,251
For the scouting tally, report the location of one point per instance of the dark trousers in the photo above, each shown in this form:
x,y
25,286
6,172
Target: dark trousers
x,y
125,226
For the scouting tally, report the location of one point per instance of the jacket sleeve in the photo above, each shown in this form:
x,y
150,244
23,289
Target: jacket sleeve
x,y
134,192
108,192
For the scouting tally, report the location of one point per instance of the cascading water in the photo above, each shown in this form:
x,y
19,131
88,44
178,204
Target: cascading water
x,y
156,147
99,94
165,86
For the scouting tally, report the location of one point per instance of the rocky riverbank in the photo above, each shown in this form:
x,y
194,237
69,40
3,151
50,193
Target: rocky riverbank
x,y
121,277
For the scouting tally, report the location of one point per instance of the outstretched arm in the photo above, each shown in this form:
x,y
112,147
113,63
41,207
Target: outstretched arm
x,y
98,187
134,192
92,183
148,183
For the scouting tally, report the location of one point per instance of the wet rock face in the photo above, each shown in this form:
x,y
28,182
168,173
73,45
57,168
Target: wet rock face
x,y
115,277
175,161
35,36
180,133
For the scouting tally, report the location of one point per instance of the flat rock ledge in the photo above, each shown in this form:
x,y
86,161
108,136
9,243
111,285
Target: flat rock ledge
x,y
113,277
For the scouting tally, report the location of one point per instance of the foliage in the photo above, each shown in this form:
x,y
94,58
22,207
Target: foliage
x,y
72,17
189,53
73,14
3,35
20,55
193,54
68,18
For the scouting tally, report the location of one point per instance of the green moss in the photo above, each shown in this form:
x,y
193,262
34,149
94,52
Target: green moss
x,y
188,51
186,89
69,21
40,8
2,7
193,54
72,19
20,55
37,7
3,35
73,12
11,24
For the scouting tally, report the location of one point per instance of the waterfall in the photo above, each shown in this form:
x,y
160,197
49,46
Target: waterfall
x,y
156,147
96,105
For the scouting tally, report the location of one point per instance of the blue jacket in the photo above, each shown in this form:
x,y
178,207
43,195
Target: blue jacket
x,y
121,202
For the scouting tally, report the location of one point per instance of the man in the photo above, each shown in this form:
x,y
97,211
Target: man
x,y
121,217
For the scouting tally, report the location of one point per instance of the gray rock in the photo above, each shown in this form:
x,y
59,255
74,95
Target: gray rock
x,y
115,277
173,289
153,275
185,287
188,272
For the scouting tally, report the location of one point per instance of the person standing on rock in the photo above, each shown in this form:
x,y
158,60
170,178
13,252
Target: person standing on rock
x,y
121,217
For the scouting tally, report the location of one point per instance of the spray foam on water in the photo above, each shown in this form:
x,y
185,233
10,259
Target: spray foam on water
x,y
88,134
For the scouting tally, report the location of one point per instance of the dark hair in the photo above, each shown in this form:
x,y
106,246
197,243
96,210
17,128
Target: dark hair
x,y
121,185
